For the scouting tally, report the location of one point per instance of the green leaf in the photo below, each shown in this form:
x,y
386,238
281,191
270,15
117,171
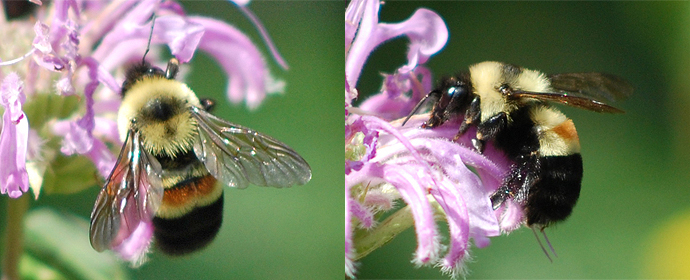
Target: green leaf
x,y
69,174
61,241
32,268
44,107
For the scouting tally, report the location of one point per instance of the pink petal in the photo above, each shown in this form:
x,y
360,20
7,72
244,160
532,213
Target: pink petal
x,y
135,247
240,59
179,33
349,248
14,180
393,102
425,29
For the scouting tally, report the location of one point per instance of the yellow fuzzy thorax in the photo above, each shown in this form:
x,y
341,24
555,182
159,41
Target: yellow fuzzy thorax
x,y
488,76
170,137
157,141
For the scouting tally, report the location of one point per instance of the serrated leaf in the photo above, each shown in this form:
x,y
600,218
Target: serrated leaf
x,y
60,241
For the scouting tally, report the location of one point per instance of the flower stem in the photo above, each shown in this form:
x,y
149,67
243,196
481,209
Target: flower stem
x,y
368,241
16,209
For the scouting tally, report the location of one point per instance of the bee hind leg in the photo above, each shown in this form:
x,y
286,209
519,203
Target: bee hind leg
x,y
523,175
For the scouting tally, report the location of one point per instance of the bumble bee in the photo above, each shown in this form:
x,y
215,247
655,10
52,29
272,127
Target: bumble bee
x,y
509,106
174,162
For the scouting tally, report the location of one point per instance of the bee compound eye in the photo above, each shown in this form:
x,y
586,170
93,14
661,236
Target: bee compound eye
x,y
451,91
504,89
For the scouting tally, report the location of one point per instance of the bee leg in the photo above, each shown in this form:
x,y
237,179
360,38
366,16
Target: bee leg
x,y
489,129
172,69
207,103
523,175
478,145
471,117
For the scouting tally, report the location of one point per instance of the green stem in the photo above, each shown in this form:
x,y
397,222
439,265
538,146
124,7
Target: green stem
x,y
16,209
368,241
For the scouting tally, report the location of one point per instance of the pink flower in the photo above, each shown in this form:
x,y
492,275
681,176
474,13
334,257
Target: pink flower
x,y
387,162
77,46
14,180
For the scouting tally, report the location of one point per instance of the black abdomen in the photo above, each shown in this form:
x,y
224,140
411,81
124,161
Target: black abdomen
x,y
189,232
553,197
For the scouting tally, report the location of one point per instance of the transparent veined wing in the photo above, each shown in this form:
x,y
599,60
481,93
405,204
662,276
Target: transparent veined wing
x,y
238,155
131,195
598,86
570,100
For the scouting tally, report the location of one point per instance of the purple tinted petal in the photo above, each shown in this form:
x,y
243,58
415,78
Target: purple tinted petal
x,y
76,140
64,86
267,39
41,41
264,35
103,159
427,32
492,160
378,124
87,121
134,248
107,128
71,44
356,125
363,43
44,43
453,203
411,184
14,180
174,7
349,248
406,179
381,199
451,158
58,27
425,29
239,58
393,101
351,165
353,16
108,17
363,214
511,217
11,95
181,35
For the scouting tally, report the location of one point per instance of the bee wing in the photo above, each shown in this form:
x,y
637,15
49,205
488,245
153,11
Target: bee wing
x,y
131,194
238,155
597,86
570,100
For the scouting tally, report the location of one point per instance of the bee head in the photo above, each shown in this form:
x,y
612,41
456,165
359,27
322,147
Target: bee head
x,y
452,98
144,69
138,72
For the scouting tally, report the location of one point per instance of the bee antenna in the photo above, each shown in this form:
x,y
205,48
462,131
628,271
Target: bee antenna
x,y
542,245
148,45
549,243
416,107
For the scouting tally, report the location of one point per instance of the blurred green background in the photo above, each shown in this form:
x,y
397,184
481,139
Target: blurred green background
x,y
633,216
268,233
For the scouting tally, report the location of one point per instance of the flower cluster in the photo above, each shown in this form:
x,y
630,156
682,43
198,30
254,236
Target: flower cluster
x,y
435,177
53,63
